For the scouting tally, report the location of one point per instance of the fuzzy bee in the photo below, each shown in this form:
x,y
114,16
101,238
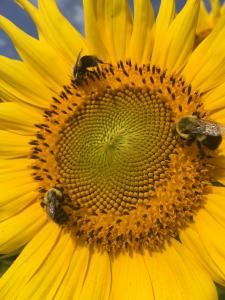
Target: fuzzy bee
x,y
205,132
81,66
53,204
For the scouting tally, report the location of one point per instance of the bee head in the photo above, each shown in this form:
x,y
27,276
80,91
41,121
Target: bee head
x,y
53,195
185,127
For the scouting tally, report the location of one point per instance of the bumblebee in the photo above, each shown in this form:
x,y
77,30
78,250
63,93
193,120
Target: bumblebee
x,y
206,133
53,204
82,65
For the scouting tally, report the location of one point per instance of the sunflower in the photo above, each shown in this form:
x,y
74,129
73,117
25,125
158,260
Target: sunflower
x,y
107,198
207,20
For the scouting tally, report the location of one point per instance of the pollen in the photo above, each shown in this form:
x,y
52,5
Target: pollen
x,y
111,146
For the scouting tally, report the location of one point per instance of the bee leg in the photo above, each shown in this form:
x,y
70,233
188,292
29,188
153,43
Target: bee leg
x,y
99,61
196,113
190,141
42,204
90,72
201,150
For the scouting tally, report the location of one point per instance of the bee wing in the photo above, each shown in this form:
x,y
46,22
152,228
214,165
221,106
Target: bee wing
x,y
209,128
222,129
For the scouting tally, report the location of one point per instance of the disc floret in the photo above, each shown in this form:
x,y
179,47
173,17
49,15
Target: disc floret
x,y
111,145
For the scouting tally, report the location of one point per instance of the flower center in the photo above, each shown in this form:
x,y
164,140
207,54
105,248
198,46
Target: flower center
x,y
112,152
114,169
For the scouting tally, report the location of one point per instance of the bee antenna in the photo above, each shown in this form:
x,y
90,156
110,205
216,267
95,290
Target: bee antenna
x,y
78,59
79,54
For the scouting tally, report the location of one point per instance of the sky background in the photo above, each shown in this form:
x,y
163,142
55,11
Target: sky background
x,y
72,9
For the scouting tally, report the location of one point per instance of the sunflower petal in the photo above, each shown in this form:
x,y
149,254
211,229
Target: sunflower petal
x,y
50,23
208,58
17,84
19,229
52,273
39,56
215,10
203,19
29,261
18,189
72,283
180,276
118,21
223,9
214,100
206,240
16,205
216,205
142,31
97,282
180,38
21,180
164,19
14,145
18,118
93,35
219,163
11,165
130,278
191,240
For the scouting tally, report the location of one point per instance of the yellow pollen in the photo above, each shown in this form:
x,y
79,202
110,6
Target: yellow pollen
x,y
126,179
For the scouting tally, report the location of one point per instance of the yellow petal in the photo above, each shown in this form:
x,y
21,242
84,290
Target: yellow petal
x,y
18,188
97,282
118,22
108,26
55,28
215,10
19,229
191,239
215,205
140,43
219,163
203,19
72,283
214,99
93,35
207,238
176,275
18,179
208,59
14,145
19,118
218,116
17,84
38,55
212,235
223,9
180,38
202,286
16,204
164,19
29,261
46,281
13,165
130,278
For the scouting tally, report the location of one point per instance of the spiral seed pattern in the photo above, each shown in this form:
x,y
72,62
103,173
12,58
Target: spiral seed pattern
x,y
124,178
114,149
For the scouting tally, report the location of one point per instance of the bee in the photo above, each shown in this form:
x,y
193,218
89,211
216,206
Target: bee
x,y
53,203
82,65
205,132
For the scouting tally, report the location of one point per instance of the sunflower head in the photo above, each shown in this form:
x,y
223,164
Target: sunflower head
x,y
109,143
108,156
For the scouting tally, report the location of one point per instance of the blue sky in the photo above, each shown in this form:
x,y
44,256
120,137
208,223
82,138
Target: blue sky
x,y
72,9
